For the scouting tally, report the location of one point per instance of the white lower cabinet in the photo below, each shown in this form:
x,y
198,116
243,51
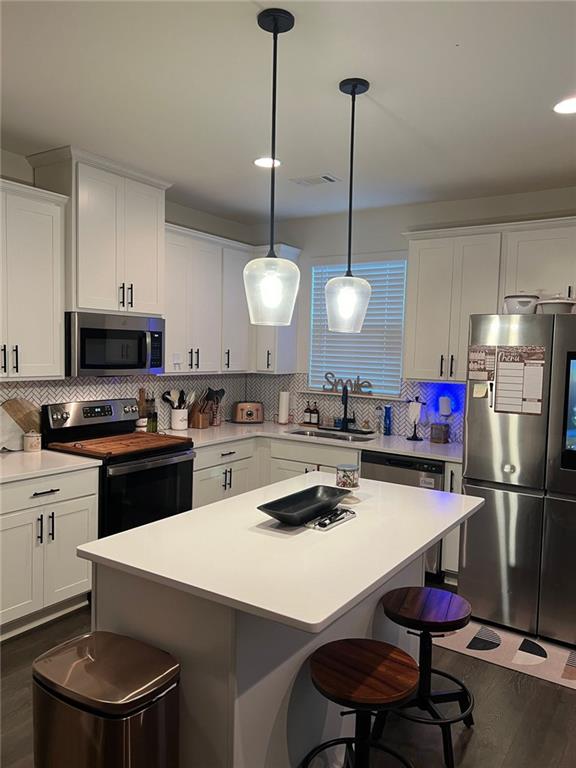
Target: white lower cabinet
x,y
224,480
451,542
38,564
21,564
69,524
281,469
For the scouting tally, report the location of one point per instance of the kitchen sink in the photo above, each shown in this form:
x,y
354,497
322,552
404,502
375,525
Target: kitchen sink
x,y
344,436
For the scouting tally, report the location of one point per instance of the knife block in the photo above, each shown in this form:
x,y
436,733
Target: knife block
x,y
199,420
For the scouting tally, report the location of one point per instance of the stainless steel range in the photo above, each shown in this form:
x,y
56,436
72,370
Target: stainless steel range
x,y
144,476
518,553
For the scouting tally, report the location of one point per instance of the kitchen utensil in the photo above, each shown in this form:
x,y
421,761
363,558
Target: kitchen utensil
x,y
299,508
520,304
17,416
181,399
327,522
555,305
190,399
248,413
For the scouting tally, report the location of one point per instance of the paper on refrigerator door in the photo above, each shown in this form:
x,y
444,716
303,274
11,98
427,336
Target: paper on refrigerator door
x,y
481,362
519,379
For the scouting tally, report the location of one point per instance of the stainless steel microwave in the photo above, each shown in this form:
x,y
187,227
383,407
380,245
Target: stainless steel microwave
x,y
113,345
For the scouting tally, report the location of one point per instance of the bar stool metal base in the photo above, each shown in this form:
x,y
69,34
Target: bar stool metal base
x,y
427,700
358,747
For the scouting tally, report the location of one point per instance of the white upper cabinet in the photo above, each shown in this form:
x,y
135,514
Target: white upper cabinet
x,y
144,248
449,278
115,231
178,347
31,283
541,261
100,258
205,305
236,331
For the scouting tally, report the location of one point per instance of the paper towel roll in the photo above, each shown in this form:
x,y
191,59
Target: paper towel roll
x,y
283,407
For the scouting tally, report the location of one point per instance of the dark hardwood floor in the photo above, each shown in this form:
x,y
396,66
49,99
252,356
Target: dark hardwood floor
x,y
521,722
16,657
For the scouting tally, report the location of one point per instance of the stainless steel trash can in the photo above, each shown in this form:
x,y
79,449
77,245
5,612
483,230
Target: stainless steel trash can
x,y
105,701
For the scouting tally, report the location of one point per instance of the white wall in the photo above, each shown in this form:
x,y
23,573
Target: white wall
x,y
15,167
207,222
379,231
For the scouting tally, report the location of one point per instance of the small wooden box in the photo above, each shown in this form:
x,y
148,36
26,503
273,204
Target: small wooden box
x,y
199,420
439,433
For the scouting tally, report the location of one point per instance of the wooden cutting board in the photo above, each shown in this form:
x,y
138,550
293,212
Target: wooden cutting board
x,y
17,416
121,445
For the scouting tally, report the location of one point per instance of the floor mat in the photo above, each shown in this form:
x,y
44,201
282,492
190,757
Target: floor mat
x,y
538,658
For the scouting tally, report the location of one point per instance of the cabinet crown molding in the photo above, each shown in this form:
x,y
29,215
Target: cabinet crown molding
x,y
62,154
482,229
178,229
33,192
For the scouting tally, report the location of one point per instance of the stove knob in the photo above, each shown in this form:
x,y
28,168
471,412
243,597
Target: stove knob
x,y
55,417
65,415
126,409
134,409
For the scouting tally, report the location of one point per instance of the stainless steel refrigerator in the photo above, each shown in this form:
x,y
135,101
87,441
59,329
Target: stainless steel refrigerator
x,y
518,552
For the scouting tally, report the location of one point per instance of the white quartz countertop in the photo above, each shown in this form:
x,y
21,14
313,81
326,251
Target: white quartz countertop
x,y
18,465
234,554
396,444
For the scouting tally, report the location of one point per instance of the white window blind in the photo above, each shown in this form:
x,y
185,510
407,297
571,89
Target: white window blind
x,y
376,352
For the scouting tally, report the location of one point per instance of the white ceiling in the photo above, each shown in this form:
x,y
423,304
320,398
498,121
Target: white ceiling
x,y
460,103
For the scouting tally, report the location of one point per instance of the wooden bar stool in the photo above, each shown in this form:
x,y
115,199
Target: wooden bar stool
x,y
430,612
366,676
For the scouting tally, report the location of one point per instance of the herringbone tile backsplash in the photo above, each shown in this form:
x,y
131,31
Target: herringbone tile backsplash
x,y
260,387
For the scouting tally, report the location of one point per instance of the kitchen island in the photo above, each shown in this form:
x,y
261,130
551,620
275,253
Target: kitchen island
x,y
242,602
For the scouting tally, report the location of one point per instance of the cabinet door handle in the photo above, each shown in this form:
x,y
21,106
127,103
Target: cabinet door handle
x,y
131,295
4,359
51,526
190,363
197,353
16,365
230,481
227,453
451,366
40,534
441,366
123,295
451,481
268,359
227,358
225,484
569,291
45,493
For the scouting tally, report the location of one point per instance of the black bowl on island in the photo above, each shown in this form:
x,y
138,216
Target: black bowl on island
x,y
301,507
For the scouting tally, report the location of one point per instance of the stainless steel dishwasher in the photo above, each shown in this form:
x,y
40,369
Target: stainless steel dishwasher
x,y
404,470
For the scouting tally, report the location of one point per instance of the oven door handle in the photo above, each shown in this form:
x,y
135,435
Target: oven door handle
x,y
130,467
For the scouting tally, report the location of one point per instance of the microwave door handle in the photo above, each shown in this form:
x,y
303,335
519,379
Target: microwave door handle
x,y
148,350
130,467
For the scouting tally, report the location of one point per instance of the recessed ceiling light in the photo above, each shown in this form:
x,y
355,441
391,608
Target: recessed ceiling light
x,y
266,162
566,107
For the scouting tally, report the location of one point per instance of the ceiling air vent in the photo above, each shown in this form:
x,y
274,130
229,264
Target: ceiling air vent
x,y
314,181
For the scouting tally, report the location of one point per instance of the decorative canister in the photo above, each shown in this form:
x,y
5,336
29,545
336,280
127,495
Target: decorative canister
x,y
179,418
347,475
32,441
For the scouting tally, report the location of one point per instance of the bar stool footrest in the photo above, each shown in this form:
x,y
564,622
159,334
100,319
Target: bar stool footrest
x,y
461,694
351,742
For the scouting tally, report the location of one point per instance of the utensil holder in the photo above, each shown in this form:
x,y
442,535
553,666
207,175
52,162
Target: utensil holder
x,y
179,418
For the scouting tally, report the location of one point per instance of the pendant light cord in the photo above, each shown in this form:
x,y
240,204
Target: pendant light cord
x,y
350,189
271,251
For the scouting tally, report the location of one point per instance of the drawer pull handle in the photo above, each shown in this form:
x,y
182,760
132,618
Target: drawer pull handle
x,y
45,493
227,453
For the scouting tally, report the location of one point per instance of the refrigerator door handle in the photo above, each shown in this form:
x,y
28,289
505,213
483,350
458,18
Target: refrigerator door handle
x,y
491,390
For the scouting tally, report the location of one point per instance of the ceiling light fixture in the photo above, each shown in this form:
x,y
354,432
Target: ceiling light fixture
x,y
347,297
266,162
271,283
566,106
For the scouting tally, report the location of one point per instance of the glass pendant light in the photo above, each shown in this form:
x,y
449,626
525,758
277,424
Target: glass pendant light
x,y
347,297
271,283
